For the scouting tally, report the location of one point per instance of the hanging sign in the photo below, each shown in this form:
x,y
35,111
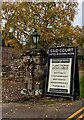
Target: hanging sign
x,y
63,77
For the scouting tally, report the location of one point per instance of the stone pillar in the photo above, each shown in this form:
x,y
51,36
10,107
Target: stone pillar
x,y
35,72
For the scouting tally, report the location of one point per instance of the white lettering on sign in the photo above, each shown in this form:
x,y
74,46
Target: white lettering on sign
x,y
59,75
62,50
53,50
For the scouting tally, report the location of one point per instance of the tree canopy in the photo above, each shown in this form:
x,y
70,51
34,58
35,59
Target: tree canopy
x,y
53,21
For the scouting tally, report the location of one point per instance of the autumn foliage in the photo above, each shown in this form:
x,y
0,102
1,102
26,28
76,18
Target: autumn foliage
x,y
53,22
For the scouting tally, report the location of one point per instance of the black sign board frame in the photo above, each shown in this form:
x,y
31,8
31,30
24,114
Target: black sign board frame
x,y
64,53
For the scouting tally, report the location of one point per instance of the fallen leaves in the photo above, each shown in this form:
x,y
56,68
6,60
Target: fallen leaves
x,y
11,91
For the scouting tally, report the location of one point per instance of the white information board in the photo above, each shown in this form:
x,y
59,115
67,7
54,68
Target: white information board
x,y
59,75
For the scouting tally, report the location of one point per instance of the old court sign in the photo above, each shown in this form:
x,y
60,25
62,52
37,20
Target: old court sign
x,y
63,77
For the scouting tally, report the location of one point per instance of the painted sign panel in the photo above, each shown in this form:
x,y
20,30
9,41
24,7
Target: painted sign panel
x,y
59,75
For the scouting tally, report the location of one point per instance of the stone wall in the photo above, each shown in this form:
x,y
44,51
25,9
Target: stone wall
x,y
13,71
8,56
30,69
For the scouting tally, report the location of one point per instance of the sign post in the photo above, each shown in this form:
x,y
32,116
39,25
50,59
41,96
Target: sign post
x,y
63,75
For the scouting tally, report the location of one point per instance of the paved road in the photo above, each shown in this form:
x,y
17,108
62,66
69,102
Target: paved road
x,y
57,110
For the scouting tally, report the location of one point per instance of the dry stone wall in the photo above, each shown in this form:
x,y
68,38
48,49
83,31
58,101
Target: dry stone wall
x,y
14,71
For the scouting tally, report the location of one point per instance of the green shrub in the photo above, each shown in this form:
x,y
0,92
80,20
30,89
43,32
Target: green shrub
x,y
82,87
81,57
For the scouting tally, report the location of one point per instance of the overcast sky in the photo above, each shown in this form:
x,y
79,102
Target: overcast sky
x,y
78,17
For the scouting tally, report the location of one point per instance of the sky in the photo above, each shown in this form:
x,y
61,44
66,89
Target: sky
x,y
79,16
